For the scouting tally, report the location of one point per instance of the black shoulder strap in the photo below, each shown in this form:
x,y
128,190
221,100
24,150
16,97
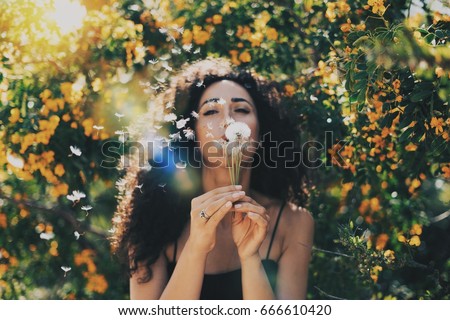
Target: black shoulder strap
x,y
275,228
175,251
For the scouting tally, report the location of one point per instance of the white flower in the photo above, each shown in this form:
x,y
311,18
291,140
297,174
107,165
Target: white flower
x,y
77,235
237,130
182,122
153,61
76,196
15,161
170,117
75,151
197,50
86,208
47,235
118,115
79,194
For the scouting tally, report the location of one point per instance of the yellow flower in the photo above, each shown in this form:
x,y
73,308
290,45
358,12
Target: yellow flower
x,y
256,39
437,124
15,115
217,19
382,239
200,36
45,95
446,172
289,90
439,72
377,6
414,241
96,283
389,255
15,138
245,57
416,229
234,57
97,85
59,170
3,221
272,34
411,147
88,125
187,37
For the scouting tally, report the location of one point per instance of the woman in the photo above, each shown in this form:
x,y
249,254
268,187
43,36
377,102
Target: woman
x,y
188,233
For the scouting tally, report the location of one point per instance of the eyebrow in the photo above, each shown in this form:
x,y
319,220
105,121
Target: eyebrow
x,y
232,100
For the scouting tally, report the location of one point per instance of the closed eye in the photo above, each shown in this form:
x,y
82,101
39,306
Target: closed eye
x,y
209,112
242,110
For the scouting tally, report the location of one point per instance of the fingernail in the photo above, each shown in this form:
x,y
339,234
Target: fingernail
x,y
252,214
238,187
236,195
238,205
228,204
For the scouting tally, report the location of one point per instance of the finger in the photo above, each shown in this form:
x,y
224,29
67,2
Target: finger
x,y
220,190
259,219
219,214
246,207
215,206
232,196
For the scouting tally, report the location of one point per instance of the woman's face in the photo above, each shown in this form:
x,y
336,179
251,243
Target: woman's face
x,y
223,102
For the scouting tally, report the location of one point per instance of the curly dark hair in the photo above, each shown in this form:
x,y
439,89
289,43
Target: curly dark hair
x,y
150,217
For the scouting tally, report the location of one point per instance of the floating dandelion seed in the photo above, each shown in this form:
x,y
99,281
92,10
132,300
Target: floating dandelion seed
x,y
209,125
170,117
98,128
112,230
119,115
194,114
74,151
167,67
197,51
180,165
66,269
176,51
175,136
180,30
199,83
86,208
187,47
163,30
189,134
47,235
77,235
155,87
139,186
169,105
313,98
209,135
153,61
181,123
221,101
164,57
157,126
230,33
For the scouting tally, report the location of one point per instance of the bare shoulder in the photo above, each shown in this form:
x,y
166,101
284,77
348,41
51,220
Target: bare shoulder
x,y
297,224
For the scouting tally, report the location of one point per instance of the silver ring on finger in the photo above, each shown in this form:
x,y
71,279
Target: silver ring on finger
x,y
203,215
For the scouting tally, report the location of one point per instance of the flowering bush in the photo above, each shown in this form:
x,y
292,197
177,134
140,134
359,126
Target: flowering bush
x,y
367,79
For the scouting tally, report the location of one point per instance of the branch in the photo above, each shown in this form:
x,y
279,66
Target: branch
x,y
66,215
332,252
328,295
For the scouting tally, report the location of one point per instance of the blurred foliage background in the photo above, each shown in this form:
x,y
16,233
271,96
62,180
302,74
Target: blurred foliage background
x,y
374,74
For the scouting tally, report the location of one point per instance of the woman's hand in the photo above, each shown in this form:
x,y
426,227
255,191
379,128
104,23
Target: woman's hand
x,y
215,205
249,227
